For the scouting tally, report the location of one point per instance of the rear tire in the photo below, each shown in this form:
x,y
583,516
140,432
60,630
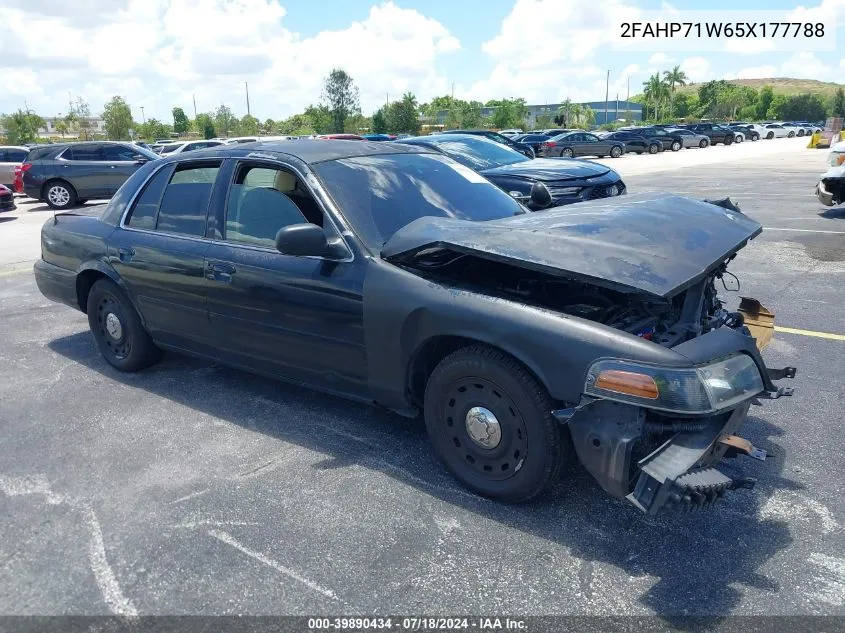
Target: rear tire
x,y
60,195
615,151
567,152
790,135
728,140
490,423
117,329
653,148
770,136
800,133
755,137
738,139
676,146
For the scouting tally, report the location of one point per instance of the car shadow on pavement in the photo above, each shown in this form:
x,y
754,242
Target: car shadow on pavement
x,y
833,213
7,218
694,564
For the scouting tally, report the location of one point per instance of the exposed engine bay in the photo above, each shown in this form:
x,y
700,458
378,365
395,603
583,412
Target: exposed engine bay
x,y
688,314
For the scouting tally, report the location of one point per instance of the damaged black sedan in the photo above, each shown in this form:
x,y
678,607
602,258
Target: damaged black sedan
x,y
394,275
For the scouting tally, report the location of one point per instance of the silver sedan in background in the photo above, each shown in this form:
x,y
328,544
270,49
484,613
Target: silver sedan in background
x,y
691,139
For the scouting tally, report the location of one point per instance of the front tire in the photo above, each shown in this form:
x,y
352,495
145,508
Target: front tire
x,y
703,144
728,140
615,152
676,146
755,137
738,139
118,330
490,423
770,136
790,135
60,195
653,148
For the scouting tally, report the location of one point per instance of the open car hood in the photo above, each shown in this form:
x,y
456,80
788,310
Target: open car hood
x,y
549,169
653,243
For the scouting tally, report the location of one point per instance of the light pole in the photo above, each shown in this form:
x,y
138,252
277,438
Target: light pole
x,y
143,117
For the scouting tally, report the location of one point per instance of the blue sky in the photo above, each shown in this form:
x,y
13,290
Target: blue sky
x,y
543,50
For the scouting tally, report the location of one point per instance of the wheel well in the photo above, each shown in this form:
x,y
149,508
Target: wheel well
x,y
84,281
434,350
50,182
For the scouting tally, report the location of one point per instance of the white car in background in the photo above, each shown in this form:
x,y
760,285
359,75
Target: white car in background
x,y
791,130
237,140
510,133
186,146
775,130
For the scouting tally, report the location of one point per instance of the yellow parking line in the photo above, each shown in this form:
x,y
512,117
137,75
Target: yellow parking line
x,y
827,335
17,271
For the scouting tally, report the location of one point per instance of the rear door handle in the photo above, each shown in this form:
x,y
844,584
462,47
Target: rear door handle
x,y
126,254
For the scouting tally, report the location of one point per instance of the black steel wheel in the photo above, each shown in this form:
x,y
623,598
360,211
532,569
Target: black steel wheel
x,y
118,330
490,423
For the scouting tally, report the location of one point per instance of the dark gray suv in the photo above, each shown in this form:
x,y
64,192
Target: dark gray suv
x,y
65,174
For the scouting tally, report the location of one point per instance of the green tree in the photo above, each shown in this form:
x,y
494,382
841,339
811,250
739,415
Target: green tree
x,y
154,129
543,121
470,113
117,116
673,78
298,124
655,92
223,120
838,108
403,115
764,102
341,97
508,113
320,118
379,122
269,126
180,121
62,127
249,125
803,107
776,107
79,118
21,127
204,124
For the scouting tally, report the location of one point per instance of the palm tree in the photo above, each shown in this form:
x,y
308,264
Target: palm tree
x,y
674,77
655,91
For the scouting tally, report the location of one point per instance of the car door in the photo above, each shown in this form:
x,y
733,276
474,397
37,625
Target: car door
x,y
594,146
85,167
159,252
299,318
123,161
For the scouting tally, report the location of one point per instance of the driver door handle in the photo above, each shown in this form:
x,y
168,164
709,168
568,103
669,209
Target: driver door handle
x,y
219,271
126,254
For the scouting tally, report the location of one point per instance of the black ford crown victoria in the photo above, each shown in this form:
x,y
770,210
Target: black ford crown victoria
x,y
394,275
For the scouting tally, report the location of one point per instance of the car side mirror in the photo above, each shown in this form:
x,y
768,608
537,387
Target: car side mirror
x,y
302,240
540,195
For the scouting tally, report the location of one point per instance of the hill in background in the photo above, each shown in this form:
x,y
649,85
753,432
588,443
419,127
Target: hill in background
x,y
781,85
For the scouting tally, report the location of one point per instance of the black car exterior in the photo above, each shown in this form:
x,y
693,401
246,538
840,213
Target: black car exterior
x,y
669,138
7,199
390,274
715,133
534,140
522,148
581,144
566,181
635,143
65,174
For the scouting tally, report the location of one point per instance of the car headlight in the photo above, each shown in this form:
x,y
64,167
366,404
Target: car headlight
x,y
704,389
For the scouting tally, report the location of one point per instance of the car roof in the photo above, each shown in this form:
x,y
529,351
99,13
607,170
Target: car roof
x,y
310,150
15,147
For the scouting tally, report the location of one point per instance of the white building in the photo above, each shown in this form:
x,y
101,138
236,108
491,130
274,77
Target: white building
x,y
95,125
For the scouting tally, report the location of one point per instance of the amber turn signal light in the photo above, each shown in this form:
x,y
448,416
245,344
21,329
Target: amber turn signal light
x,y
640,385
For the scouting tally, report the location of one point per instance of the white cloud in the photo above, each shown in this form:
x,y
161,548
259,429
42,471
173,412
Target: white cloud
x,y
557,61
697,69
660,58
157,53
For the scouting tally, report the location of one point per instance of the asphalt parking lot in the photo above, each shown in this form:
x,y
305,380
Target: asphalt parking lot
x,y
191,488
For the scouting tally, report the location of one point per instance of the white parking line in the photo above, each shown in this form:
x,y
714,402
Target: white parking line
x,y
779,228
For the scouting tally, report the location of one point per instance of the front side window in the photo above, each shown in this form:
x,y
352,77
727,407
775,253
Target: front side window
x,y
121,153
184,203
264,199
379,195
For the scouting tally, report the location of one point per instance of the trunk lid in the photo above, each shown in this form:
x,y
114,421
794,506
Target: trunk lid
x,y
653,243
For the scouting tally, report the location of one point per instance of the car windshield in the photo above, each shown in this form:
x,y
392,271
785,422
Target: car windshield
x,y
477,153
379,195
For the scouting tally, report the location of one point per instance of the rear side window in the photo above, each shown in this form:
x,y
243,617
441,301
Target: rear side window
x,y
85,152
184,204
143,215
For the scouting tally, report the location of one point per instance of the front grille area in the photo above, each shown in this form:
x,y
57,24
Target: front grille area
x,y
601,191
